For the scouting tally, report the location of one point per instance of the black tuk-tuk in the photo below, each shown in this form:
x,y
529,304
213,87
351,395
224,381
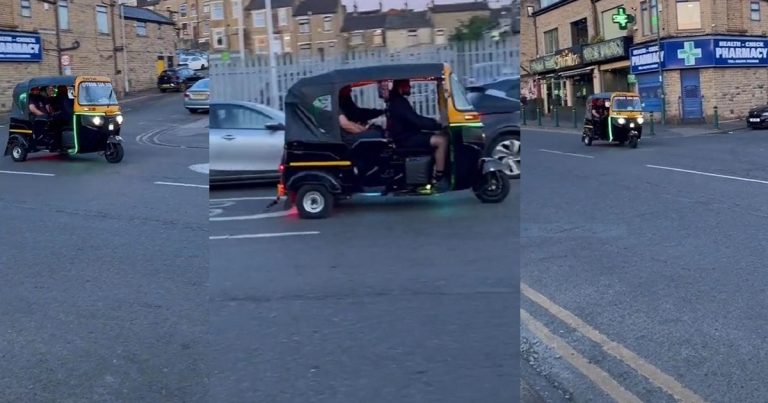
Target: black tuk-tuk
x,y
613,117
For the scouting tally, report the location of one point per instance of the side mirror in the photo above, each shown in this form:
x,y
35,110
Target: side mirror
x,y
274,126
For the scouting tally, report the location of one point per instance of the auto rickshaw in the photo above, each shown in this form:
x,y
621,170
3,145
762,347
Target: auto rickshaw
x,y
318,168
86,118
614,117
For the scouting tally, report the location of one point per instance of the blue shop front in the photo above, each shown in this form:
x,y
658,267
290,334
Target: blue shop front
x,y
729,72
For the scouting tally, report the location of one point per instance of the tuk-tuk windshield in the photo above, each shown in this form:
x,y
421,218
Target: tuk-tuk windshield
x,y
96,93
626,104
460,100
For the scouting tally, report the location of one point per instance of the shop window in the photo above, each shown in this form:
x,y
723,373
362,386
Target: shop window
x,y
551,44
688,14
609,28
648,17
754,10
579,32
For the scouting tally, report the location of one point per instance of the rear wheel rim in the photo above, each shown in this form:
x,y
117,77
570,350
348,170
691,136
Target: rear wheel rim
x,y
16,152
508,153
313,202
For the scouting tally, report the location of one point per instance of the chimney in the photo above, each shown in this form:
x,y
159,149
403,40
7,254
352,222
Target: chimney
x,y
354,8
381,6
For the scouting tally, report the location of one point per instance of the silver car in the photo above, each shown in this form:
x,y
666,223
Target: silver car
x,y
196,98
246,142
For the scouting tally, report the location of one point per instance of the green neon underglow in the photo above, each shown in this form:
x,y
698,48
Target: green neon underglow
x,y
466,124
74,129
610,130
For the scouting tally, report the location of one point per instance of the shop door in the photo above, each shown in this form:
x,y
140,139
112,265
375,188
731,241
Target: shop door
x,y
691,98
649,87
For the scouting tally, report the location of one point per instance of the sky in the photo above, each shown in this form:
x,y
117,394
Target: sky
x,y
363,5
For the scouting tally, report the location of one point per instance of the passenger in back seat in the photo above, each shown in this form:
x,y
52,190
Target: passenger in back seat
x,y
354,120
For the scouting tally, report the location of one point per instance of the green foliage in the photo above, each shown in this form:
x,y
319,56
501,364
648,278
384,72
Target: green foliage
x,y
473,29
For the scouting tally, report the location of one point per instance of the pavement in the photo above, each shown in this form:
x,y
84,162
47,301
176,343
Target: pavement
x,y
643,271
388,300
104,267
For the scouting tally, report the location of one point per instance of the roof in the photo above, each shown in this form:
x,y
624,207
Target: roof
x,y
460,7
307,7
49,80
363,21
261,4
408,20
146,15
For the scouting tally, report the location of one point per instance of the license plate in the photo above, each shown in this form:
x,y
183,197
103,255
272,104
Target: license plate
x,y
754,119
111,126
196,96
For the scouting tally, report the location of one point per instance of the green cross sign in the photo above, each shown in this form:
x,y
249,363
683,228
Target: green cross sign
x,y
622,18
689,53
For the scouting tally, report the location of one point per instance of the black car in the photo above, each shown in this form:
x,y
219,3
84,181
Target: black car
x,y
501,116
178,79
757,118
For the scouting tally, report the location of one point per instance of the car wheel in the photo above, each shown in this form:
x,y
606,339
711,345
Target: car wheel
x,y
314,201
506,149
192,111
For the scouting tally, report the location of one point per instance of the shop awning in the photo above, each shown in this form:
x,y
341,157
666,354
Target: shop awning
x,y
577,72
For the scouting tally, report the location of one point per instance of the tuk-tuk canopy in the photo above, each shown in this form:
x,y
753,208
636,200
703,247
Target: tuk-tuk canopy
x,y
312,103
21,91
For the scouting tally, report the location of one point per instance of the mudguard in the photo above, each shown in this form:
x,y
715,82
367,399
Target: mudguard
x,y
490,165
115,139
18,138
313,178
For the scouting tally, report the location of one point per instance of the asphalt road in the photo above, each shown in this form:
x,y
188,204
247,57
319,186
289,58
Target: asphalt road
x,y
643,271
389,300
104,267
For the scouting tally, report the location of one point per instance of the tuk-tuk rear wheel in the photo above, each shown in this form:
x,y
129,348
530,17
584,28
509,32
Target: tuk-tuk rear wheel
x,y
314,201
18,152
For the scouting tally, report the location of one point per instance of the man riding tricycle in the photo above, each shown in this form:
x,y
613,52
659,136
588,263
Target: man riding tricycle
x,y
65,115
614,117
333,149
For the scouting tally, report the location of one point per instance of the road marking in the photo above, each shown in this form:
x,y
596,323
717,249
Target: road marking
x,y
709,174
244,198
200,168
564,153
256,216
592,371
26,173
246,236
181,184
655,375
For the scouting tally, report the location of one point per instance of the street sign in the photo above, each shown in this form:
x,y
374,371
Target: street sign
x,y
622,19
65,60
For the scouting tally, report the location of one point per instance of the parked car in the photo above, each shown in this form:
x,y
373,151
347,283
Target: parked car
x,y
194,62
500,115
197,97
179,79
757,118
489,71
246,142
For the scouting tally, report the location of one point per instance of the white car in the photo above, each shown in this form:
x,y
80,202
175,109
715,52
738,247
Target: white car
x,y
194,62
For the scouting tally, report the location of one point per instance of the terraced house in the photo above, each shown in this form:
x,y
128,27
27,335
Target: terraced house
x,y
39,38
684,57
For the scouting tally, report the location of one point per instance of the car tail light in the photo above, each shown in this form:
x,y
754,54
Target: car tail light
x,y
186,95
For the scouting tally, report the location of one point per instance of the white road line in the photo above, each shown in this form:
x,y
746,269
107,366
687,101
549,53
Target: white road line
x,y
181,184
655,375
592,371
201,168
247,236
709,174
564,153
256,216
244,198
26,173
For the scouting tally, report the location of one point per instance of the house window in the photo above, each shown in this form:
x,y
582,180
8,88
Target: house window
x,y
193,9
754,10
580,31
440,37
159,31
688,14
236,8
206,8
304,25
63,14
101,20
328,23
551,44
259,19
217,11
413,37
206,28
260,44
356,38
282,17
648,17
378,37
305,52
183,10
26,8
219,39
184,29
287,43
141,28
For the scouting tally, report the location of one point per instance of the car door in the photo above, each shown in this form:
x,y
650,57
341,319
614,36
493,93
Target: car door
x,y
240,142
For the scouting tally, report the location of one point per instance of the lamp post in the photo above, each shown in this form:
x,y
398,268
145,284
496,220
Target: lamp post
x,y
240,32
273,94
125,49
661,60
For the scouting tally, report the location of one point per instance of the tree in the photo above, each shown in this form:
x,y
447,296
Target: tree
x,y
472,30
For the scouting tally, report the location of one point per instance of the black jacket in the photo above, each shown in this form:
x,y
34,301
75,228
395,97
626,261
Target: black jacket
x,y
403,121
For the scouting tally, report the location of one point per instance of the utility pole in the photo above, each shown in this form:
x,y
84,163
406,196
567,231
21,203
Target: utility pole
x,y
661,60
55,4
240,32
111,5
125,48
275,98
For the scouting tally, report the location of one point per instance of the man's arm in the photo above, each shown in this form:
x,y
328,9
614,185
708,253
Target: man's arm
x,y
35,111
351,127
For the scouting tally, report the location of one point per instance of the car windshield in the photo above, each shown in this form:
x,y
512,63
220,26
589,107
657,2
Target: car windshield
x,y
626,104
201,85
460,100
96,93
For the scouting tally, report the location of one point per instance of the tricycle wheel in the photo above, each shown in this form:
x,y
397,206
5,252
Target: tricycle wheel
x,y
19,152
114,153
494,187
587,140
633,142
314,201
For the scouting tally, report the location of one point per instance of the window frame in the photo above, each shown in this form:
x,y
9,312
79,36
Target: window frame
x,y
327,23
255,15
754,11
214,32
282,17
556,45
63,6
681,3
141,26
102,10
220,6
183,10
303,22
25,5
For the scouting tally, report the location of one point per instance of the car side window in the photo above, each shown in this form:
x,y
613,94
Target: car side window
x,y
238,117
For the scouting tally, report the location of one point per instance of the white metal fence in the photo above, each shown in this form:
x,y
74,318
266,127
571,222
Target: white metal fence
x,y
230,81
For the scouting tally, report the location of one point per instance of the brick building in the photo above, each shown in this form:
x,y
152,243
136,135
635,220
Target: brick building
x,y
447,17
714,53
364,30
90,42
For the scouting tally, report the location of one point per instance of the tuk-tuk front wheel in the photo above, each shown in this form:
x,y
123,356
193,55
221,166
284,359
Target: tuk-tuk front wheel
x,y
587,140
494,187
314,201
633,142
19,152
114,153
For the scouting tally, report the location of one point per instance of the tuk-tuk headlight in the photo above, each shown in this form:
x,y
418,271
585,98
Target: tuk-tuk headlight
x,y
119,119
97,120
640,120
622,121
